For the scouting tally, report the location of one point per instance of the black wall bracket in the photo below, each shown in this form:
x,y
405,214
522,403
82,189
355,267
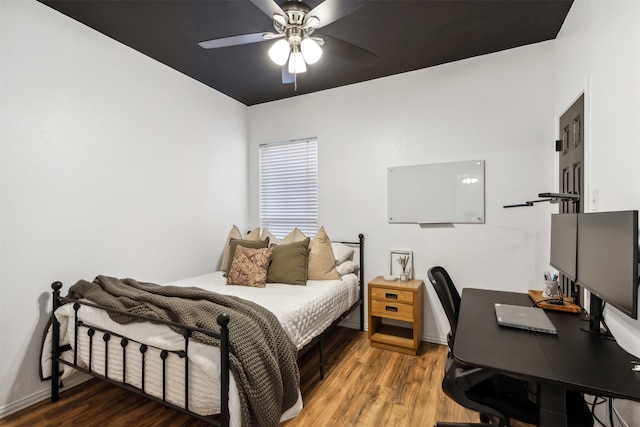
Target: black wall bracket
x,y
549,197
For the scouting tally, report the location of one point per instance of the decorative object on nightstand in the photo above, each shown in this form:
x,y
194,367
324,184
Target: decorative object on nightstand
x,y
401,264
403,260
398,301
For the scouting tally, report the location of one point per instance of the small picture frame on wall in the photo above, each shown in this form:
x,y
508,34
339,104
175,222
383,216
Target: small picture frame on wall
x,y
401,264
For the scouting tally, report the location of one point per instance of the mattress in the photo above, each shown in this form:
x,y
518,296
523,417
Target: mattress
x,y
303,311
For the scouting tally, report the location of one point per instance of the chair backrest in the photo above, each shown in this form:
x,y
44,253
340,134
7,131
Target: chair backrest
x,y
448,296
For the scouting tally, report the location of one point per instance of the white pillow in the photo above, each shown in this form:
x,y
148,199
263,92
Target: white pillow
x,y
346,267
341,252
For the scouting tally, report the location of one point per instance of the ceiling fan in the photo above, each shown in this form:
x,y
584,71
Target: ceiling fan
x,y
297,43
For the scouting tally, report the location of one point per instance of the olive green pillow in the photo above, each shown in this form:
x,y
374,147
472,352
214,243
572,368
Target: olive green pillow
x,y
289,263
253,244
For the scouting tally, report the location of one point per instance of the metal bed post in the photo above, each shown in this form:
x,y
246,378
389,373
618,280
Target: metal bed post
x,y
55,343
223,321
361,239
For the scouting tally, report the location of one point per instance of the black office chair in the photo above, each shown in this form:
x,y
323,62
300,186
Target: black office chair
x,y
498,398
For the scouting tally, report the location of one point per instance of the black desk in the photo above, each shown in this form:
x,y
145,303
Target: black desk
x,y
573,359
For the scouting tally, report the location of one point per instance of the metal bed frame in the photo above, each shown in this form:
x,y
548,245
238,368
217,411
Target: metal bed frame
x,y
222,335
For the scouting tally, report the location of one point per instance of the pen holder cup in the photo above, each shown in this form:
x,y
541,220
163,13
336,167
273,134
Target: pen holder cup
x,y
550,289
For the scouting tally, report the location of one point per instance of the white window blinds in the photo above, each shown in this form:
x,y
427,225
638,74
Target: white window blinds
x,y
288,186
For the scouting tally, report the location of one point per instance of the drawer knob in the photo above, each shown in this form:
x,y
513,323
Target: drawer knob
x,y
390,295
391,308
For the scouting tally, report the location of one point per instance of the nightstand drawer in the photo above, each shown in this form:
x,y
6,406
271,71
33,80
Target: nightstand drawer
x,y
392,295
392,310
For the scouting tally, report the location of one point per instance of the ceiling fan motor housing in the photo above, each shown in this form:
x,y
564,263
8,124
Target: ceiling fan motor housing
x,y
296,12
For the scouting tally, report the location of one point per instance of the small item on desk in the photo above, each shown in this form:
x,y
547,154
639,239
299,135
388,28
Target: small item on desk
x,y
636,366
550,288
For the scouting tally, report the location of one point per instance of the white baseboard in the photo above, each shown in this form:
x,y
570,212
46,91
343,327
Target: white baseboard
x,y
435,340
39,396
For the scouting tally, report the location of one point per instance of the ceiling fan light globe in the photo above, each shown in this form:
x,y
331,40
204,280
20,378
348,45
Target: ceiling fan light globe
x,y
311,50
279,52
296,63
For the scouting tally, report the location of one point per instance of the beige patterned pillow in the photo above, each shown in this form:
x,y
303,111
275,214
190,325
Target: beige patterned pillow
x,y
234,243
249,267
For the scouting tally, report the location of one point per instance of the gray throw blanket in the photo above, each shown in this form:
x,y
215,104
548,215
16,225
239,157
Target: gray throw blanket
x,y
262,357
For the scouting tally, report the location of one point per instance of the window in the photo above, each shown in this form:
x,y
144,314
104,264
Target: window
x,y
288,187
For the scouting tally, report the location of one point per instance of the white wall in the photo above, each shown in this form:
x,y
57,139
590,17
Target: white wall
x,y
496,107
115,164
598,53
111,164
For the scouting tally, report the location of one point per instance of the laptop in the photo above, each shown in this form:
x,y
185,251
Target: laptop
x,y
529,318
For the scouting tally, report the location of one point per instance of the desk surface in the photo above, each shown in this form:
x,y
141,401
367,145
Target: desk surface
x,y
573,358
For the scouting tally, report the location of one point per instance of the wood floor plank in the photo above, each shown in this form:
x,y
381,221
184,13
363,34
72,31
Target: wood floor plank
x,y
363,386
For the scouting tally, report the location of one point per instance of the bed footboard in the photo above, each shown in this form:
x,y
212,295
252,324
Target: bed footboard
x,y
187,331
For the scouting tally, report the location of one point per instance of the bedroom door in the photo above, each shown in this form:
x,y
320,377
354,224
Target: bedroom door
x,y
572,170
572,155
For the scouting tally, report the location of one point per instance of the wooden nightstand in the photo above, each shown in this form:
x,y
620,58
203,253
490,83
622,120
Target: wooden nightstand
x,y
398,301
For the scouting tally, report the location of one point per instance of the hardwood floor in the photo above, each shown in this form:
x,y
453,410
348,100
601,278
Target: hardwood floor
x,y
363,386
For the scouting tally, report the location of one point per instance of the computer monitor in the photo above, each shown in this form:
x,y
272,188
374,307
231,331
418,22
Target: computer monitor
x,y
564,237
608,261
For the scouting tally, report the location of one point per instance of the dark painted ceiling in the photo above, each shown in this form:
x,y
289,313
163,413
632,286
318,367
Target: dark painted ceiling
x,y
404,35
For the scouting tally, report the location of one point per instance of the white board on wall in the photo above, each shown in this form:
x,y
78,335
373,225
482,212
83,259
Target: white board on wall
x,y
436,193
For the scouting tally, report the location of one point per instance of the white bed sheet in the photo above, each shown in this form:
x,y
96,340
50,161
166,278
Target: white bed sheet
x,y
303,311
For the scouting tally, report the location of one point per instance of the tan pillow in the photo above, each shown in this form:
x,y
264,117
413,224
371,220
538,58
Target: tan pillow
x,y
249,267
226,257
254,235
273,240
289,263
295,236
254,244
322,264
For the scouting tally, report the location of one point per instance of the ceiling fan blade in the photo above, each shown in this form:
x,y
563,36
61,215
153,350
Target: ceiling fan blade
x,y
269,7
235,40
344,50
331,10
287,77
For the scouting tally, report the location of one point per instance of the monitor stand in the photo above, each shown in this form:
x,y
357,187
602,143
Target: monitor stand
x,y
596,318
